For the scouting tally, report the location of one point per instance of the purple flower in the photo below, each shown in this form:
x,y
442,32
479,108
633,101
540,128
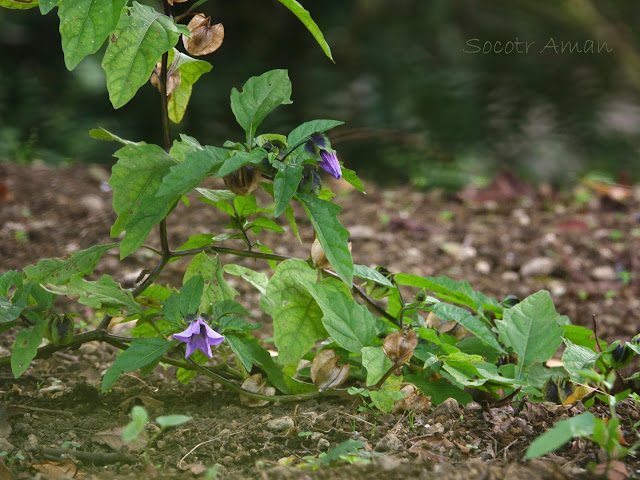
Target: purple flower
x,y
199,335
330,163
319,144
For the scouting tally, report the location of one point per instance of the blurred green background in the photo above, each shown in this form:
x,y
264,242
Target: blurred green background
x,y
418,106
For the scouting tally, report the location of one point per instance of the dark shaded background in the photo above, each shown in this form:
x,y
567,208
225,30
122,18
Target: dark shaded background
x,y
417,107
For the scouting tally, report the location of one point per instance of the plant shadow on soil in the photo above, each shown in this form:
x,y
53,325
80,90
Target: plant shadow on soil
x,y
48,213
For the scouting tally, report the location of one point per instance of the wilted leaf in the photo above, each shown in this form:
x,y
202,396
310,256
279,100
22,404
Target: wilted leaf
x,y
205,38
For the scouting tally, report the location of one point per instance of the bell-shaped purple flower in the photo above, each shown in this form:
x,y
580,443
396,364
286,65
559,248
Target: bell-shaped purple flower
x,y
330,163
319,144
199,335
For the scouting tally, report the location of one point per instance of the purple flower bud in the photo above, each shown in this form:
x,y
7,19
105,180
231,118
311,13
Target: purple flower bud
x,y
330,163
199,335
319,140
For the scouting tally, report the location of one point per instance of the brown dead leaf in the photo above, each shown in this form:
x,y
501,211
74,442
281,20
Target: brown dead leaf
x,y
614,470
112,437
58,470
143,399
5,472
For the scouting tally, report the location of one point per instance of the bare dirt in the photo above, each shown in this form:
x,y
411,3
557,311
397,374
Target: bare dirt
x,y
582,246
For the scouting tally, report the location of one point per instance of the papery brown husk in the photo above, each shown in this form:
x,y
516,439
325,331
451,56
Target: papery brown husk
x,y
244,180
205,38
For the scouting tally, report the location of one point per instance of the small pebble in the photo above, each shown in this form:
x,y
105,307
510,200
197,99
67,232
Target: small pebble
x,y
537,266
280,424
604,273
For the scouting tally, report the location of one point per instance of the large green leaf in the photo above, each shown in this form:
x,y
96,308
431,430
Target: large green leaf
x,y
141,352
104,134
249,351
259,96
331,234
84,25
104,294
190,70
439,390
448,312
191,294
25,348
238,159
296,316
188,174
579,426
349,323
285,185
304,130
58,271
257,279
531,329
135,179
141,37
303,15
47,5
376,363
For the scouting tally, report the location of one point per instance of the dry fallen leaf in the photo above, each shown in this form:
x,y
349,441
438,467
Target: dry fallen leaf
x,y
58,470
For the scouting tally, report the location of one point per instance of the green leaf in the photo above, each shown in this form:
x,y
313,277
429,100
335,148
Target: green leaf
x,y
305,130
188,174
190,70
167,421
288,213
135,428
238,159
141,37
19,4
531,329
376,363
135,179
246,205
351,177
439,390
184,146
141,352
579,426
580,336
576,358
58,271
25,348
259,96
447,312
297,318
368,273
285,185
103,134
191,294
331,235
344,449
264,222
257,279
105,294
47,5
349,323
216,195
450,291
197,241
84,25
250,348
304,16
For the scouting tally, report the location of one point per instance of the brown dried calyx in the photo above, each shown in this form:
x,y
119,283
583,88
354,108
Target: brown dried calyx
x,y
255,384
399,346
205,38
244,180
173,79
325,371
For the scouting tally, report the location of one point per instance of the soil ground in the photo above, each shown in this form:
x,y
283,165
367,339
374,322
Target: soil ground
x,y
508,239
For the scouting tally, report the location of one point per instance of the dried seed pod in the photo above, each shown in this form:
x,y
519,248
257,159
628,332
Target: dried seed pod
x,y
173,81
325,371
318,256
399,346
205,38
256,384
244,180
